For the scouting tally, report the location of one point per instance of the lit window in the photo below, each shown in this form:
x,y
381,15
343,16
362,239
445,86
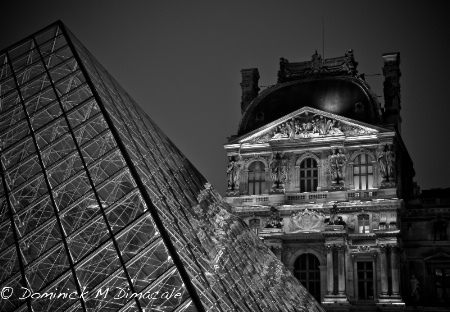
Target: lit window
x,y
440,230
363,223
362,172
256,178
309,177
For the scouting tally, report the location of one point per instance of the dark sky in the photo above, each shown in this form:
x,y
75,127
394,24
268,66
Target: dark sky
x,y
181,61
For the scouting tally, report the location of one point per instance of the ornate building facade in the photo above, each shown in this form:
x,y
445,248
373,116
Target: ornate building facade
x,y
319,170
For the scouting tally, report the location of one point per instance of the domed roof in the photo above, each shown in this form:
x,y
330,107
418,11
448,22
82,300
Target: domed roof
x,y
348,96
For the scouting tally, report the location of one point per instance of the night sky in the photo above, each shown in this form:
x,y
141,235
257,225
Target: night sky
x,y
181,61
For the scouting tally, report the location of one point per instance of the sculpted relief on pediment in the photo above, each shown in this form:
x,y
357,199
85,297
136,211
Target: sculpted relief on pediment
x,y
310,125
306,220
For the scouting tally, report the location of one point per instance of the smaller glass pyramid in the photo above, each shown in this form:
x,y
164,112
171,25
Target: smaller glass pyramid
x,y
99,211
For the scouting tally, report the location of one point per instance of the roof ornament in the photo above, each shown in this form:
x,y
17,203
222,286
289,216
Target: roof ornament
x,y
316,61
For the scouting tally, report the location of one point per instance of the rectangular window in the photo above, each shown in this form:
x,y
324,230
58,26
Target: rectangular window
x,y
362,172
365,280
363,224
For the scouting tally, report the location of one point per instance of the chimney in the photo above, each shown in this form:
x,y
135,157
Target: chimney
x,y
391,72
249,87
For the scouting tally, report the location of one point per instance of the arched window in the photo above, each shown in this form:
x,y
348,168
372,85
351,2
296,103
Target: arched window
x,y
256,178
309,176
255,225
306,270
363,223
363,172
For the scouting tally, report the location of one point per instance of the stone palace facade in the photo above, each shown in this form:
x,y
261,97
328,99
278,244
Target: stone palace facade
x,y
319,170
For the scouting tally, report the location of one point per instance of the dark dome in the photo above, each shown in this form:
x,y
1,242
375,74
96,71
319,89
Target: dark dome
x,y
345,96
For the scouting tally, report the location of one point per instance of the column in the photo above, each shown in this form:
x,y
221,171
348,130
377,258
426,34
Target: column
x,y
349,181
394,270
297,178
323,280
375,169
375,276
244,182
355,278
268,182
330,276
341,270
383,266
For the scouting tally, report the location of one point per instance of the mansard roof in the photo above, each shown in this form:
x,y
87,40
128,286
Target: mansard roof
x,y
331,85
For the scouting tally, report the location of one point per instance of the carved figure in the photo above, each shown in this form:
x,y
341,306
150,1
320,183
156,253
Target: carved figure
x,y
274,222
390,161
386,159
279,170
233,172
336,162
415,288
275,167
307,126
383,163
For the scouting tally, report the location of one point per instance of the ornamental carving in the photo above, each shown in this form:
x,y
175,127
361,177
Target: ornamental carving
x,y
307,125
344,65
362,249
306,220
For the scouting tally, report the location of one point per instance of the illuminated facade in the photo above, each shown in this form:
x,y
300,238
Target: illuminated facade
x,y
319,170
101,212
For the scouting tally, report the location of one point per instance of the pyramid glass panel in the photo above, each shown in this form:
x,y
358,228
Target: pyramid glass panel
x,y
99,211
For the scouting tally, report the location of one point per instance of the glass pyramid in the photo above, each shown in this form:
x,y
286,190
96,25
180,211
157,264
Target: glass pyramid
x,y
99,211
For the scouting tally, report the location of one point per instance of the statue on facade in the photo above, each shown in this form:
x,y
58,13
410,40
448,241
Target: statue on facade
x,y
383,163
274,222
233,172
336,162
390,160
414,288
386,160
279,170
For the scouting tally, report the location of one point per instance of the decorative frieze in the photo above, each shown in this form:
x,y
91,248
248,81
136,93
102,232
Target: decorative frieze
x,y
311,125
306,220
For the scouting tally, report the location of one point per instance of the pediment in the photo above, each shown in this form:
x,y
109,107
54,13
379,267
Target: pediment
x,y
441,256
308,123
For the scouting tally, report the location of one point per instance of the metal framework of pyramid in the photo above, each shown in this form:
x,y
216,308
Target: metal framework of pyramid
x,y
101,212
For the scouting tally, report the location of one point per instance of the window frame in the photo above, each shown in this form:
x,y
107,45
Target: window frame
x,y
310,260
305,170
251,183
357,164
365,280
368,225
